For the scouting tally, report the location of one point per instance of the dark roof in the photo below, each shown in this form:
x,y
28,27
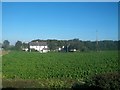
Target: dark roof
x,y
38,43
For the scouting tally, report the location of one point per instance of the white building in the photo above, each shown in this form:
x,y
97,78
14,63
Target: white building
x,y
73,50
39,46
60,48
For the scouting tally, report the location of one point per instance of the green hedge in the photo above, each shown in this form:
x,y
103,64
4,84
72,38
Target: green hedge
x,y
107,81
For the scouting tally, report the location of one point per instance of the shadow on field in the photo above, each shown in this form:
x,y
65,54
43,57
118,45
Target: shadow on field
x,y
19,85
10,88
85,87
78,88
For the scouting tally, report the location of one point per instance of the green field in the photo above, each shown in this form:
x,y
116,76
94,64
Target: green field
x,y
56,69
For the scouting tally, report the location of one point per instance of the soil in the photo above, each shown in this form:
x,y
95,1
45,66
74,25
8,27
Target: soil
x,y
4,52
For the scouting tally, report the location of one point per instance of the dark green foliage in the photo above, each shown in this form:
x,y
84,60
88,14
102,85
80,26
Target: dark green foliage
x,y
106,81
81,86
25,45
18,45
5,45
84,45
52,44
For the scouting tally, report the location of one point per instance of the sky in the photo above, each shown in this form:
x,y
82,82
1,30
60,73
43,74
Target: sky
x,y
26,21
0,21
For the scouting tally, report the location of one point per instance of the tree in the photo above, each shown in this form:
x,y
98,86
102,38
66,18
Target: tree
x,y
11,47
18,45
25,45
52,44
6,44
75,44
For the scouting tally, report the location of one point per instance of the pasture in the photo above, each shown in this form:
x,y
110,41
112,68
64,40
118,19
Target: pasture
x,y
42,70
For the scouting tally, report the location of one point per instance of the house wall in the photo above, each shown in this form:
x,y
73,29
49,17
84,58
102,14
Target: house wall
x,y
38,48
44,51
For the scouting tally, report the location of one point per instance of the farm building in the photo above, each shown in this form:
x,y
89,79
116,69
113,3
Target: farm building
x,y
72,50
39,46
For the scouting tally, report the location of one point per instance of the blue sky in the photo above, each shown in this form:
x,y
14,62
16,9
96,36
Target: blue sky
x,y
0,22
50,20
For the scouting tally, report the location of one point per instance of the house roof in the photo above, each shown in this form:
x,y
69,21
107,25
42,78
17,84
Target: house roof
x,y
38,43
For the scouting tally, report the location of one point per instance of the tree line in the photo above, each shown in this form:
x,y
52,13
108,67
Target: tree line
x,y
77,44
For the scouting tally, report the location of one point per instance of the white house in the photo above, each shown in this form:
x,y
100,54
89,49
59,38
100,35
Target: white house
x,y
73,50
60,48
39,46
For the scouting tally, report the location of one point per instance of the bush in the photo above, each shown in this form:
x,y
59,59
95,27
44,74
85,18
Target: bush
x,y
85,86
108,81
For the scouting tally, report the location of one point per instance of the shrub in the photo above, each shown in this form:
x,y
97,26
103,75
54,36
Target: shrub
x,y
108,81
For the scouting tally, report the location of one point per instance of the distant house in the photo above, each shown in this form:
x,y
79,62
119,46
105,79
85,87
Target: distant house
x,y
73,50
39,46
61,48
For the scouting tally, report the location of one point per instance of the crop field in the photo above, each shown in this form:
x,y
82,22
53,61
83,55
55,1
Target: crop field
x,y
35,69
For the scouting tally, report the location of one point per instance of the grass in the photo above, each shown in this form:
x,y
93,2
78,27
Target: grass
x,y
56,69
